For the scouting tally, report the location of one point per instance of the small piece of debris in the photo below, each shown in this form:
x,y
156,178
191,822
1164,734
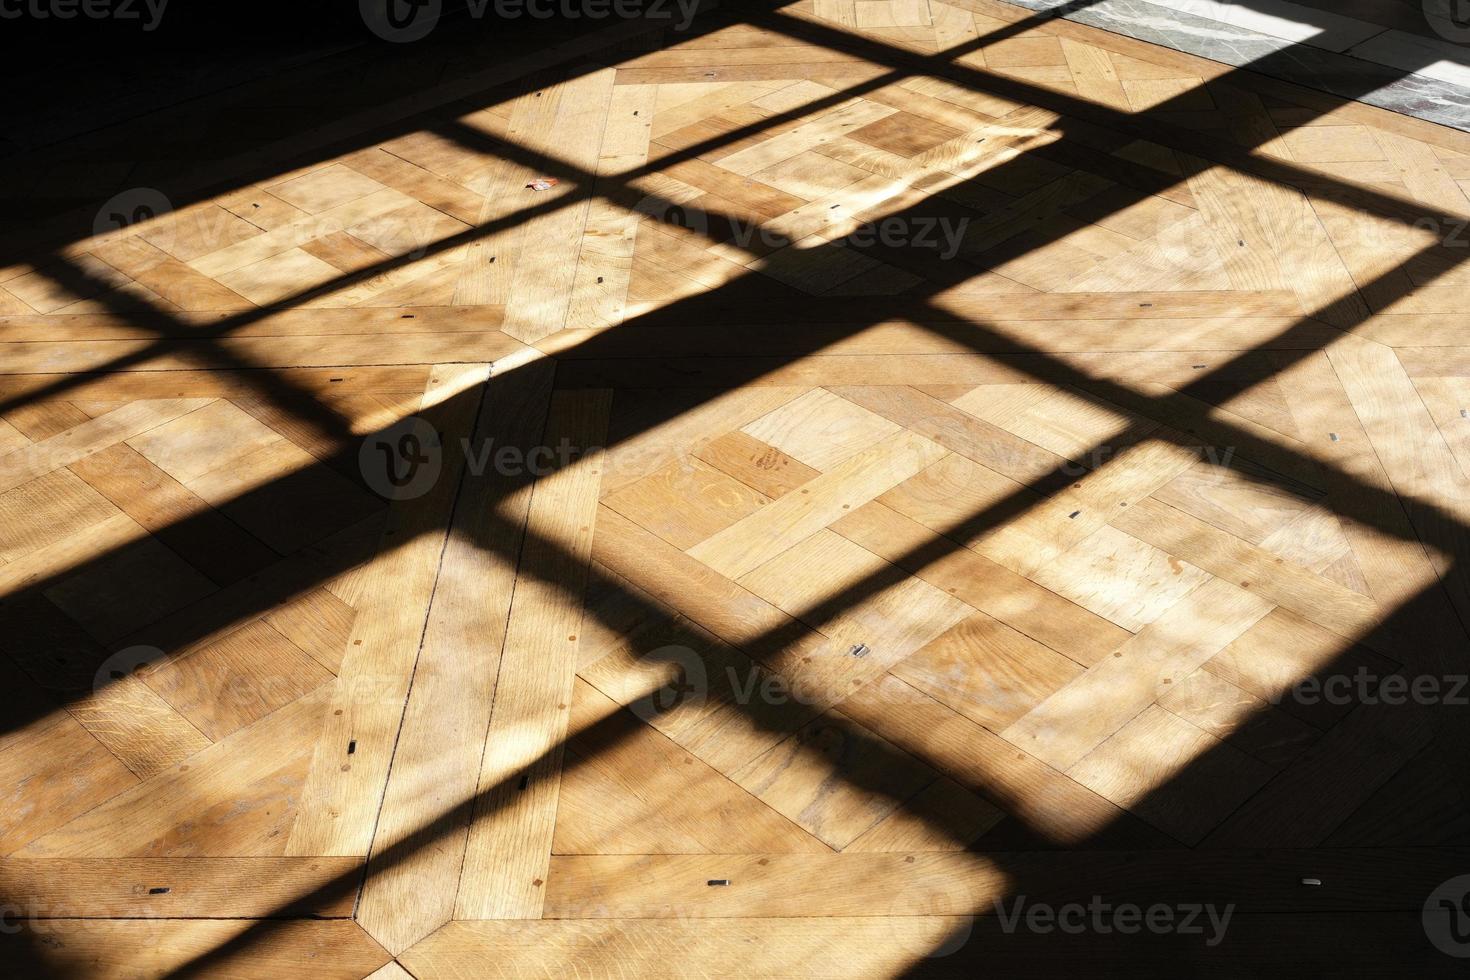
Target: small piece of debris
x,y
543,183
1074,513
860,650
159,891
718,881
1311,881
1332,436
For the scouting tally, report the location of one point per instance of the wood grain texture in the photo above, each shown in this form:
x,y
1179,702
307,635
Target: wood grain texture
x,y
1012,461
511,836
342,795
410,891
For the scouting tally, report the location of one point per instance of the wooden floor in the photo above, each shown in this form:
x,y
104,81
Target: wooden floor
x,y
903,467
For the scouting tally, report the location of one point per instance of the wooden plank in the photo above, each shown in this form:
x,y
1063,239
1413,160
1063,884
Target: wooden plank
x,y
870,609
390,971
278,352
943,816
87,438
178,888
53,768
958,431
756,464
746,544
511,836
820,429
950,946
628,788
1120,578
987,671
229,684
115,949
685,502
1423,470
605,262
731,725
544,276
1076,719
974,579
1321,600
819,886
1171,773
1054,807
180,519
235,798
410,888
342,795
835,779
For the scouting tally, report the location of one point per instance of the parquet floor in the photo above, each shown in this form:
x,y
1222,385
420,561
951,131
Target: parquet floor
x,y
918,456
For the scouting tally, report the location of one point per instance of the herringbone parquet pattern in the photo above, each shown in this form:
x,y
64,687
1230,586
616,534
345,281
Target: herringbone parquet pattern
x,y
1005,458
